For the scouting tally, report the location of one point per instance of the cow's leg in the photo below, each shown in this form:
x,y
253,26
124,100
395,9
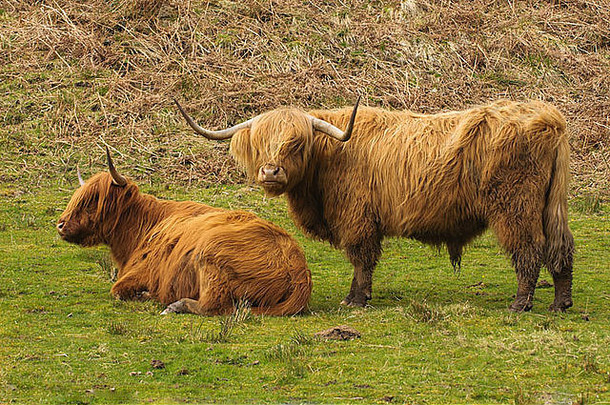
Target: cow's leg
x,y
364,257
455,255
563,290
214,295
129,287
561,270
527,263
520,233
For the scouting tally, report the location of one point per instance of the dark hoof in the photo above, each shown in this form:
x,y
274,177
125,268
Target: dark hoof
x,y
560,306
521,306
354,302
143,296
177,307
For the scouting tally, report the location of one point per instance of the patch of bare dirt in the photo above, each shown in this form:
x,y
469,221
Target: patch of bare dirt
x,y
342,332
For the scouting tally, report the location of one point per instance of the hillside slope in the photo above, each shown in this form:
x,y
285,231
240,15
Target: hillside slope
x,y
76,73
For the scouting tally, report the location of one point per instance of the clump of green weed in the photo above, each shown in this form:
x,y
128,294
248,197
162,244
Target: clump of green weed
x,y
297,346
509,319
588,204
421,311
228,324
108,267
29,220
523,397
290,354
582,399
293,369
546,323
589,363
119,328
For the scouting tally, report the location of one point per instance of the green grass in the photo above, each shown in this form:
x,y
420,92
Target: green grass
x,y
430,336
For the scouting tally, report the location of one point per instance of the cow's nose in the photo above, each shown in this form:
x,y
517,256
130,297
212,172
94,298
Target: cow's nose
x,y
60,226
270,173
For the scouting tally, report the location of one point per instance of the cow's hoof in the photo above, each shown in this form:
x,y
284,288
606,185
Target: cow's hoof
x,y
560,306
354,302
521,305
143,296
177,307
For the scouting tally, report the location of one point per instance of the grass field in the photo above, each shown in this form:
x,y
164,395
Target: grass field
x,y
77,75
431,336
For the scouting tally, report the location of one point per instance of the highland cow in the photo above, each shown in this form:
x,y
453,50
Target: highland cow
x,y
190,256
441,179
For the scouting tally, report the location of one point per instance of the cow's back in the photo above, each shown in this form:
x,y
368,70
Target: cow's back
x,y
421,175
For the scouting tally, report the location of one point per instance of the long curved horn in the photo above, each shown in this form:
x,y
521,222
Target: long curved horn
x,y
80,178
116,177
214,135
331,130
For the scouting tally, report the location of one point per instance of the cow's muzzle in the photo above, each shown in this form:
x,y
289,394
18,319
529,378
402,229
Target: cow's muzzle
x,y
60,227
272,177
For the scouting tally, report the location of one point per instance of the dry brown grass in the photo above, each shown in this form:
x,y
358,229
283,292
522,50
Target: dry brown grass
x,y
77,73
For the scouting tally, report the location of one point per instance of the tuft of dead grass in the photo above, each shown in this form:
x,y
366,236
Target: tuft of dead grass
x,y
78,74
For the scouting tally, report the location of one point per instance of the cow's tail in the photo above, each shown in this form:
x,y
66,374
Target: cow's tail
x,y
298,295
559,247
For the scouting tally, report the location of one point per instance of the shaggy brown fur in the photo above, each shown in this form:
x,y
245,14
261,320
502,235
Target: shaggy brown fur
x,y
440,179
192,257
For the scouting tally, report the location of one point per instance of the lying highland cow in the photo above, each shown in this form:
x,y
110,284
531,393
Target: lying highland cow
x,y
192,257
440,179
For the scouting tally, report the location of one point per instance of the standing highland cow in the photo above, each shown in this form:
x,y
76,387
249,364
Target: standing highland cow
x,y
440,179
192,257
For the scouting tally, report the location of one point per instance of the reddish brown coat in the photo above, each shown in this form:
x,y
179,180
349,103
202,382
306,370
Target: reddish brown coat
x,y
190,256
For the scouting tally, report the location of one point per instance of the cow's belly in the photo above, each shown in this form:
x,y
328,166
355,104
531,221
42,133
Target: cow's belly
x,y
438,229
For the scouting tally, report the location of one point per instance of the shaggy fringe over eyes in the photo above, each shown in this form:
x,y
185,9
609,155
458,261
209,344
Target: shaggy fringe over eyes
x,y
111,200
274,137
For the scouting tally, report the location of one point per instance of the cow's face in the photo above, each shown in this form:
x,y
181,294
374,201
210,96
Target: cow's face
x,y
96,207
276,147
276,150
80,222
